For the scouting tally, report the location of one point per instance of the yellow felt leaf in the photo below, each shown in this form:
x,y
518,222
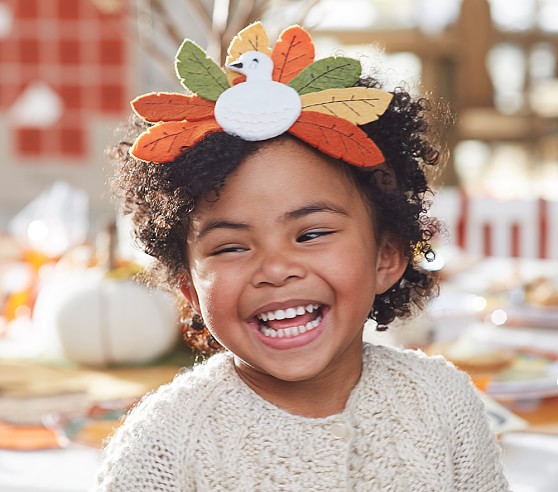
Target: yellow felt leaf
x,y
359,105
251,38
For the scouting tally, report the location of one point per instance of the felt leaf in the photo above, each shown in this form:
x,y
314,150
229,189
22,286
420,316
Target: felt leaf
x,y
171,106
293,51
359,105
337,137
328,73
198,73
251,38
165,141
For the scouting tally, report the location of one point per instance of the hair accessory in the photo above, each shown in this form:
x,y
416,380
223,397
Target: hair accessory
x,y
262,94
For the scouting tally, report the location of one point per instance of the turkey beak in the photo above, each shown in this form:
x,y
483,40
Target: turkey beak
x,y
236,67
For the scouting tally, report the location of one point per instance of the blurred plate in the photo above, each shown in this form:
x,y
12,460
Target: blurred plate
x,y
533,374
529,315
29,437
530,461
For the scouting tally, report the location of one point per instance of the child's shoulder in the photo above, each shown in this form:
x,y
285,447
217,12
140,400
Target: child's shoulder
x,y
205,378
420,381
414,365
173,408
394,355
182,398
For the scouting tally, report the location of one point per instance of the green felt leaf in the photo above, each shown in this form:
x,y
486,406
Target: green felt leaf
x,y
327,73
198,73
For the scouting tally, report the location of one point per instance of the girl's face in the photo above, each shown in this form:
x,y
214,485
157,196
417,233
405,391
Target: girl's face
x,y
285,265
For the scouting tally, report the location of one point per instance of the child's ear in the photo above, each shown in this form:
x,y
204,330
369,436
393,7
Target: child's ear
x,y
391,265
190,293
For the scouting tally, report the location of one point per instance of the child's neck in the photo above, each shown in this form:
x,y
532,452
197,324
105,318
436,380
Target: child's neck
x,y
315,398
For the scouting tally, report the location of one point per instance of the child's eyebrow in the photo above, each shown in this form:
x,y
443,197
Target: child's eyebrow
x,y
311,208
316,207
221,224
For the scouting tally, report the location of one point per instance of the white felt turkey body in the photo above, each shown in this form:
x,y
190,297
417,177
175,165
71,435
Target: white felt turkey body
x,y
259,108
93,320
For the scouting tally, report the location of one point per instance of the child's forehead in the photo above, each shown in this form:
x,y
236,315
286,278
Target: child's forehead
x,y
279,178
282,161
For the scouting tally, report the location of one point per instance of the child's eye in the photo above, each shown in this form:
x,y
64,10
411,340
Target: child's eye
x,y
228,249
310,235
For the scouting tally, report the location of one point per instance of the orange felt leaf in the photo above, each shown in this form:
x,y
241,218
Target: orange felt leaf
x,y
165,141
293,51
172,106
337,137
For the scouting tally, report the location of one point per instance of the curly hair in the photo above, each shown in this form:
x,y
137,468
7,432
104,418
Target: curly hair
x,y
161,198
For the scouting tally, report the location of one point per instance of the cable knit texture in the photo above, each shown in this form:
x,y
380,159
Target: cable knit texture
x,y
412,423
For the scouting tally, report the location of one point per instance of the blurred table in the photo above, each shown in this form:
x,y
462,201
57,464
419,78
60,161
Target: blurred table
x,y
71,469
72,466
482,301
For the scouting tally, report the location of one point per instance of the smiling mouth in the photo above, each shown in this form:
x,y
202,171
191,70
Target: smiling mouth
x,y
290,322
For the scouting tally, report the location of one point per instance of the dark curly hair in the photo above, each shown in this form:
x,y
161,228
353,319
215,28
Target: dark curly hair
x,y
161,197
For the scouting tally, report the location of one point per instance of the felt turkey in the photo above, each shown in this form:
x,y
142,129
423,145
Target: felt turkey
x,y
262,94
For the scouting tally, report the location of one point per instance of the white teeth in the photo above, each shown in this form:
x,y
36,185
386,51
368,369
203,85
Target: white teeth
x,y
312,307
292,331
288,313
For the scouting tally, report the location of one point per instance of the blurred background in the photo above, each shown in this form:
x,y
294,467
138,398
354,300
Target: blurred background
x,y
77,337
69,67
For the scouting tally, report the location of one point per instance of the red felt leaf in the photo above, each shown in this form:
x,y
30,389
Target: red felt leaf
x,y
165,141
171,106
337,137
292,52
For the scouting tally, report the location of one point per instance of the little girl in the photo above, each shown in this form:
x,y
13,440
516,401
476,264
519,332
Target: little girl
x,y
285,199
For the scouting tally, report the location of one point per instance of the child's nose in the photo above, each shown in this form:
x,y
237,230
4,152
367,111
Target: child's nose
x,y
277,268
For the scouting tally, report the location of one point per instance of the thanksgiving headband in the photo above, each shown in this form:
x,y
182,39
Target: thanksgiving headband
x,y
263,93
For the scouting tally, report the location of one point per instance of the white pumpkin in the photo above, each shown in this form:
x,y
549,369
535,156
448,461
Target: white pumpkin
x,y
94,320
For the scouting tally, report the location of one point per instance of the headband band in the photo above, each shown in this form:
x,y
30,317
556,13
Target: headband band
x,y
261,94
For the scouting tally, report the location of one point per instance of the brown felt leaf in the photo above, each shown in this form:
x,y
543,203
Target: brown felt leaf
x,y
251,38
293,51
172,106
337,137
165,141
359,105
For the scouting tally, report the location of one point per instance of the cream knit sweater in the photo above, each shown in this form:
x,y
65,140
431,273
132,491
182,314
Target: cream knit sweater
x,y
412,423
